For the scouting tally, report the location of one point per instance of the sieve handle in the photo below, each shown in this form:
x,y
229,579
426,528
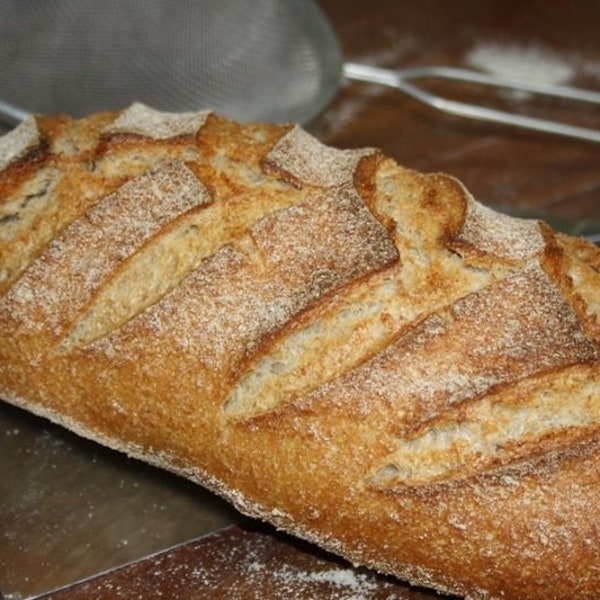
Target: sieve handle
x,y
401,80
11,115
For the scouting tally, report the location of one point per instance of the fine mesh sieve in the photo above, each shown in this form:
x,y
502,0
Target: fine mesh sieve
x,y
271,60
263,60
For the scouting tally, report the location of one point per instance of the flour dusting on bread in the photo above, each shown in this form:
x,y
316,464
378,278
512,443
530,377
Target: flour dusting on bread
x,y
363,355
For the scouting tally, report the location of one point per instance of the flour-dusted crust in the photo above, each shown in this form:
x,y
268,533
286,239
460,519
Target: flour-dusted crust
x,y
360,354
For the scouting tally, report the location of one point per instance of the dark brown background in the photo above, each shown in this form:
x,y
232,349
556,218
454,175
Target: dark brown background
x,y
69,508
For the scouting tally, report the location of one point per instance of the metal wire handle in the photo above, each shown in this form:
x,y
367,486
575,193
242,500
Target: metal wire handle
x,y
11,115
401,80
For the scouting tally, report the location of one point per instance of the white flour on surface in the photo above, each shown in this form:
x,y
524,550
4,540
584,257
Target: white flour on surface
x,y
530,62
344,584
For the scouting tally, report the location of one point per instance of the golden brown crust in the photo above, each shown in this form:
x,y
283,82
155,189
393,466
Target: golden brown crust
x,y
363,355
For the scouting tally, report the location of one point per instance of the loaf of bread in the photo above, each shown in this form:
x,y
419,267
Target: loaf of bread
x,y
359,354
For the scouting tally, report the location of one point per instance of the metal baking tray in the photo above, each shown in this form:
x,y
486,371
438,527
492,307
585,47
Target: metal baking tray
x,y
70,508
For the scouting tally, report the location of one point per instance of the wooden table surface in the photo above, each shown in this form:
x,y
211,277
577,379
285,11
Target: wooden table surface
x,y
543,40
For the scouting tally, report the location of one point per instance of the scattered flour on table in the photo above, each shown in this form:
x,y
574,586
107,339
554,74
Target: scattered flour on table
x,y
531,62
346,584
293,581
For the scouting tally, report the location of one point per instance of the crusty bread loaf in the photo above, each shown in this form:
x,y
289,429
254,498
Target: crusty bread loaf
x,y
360,354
